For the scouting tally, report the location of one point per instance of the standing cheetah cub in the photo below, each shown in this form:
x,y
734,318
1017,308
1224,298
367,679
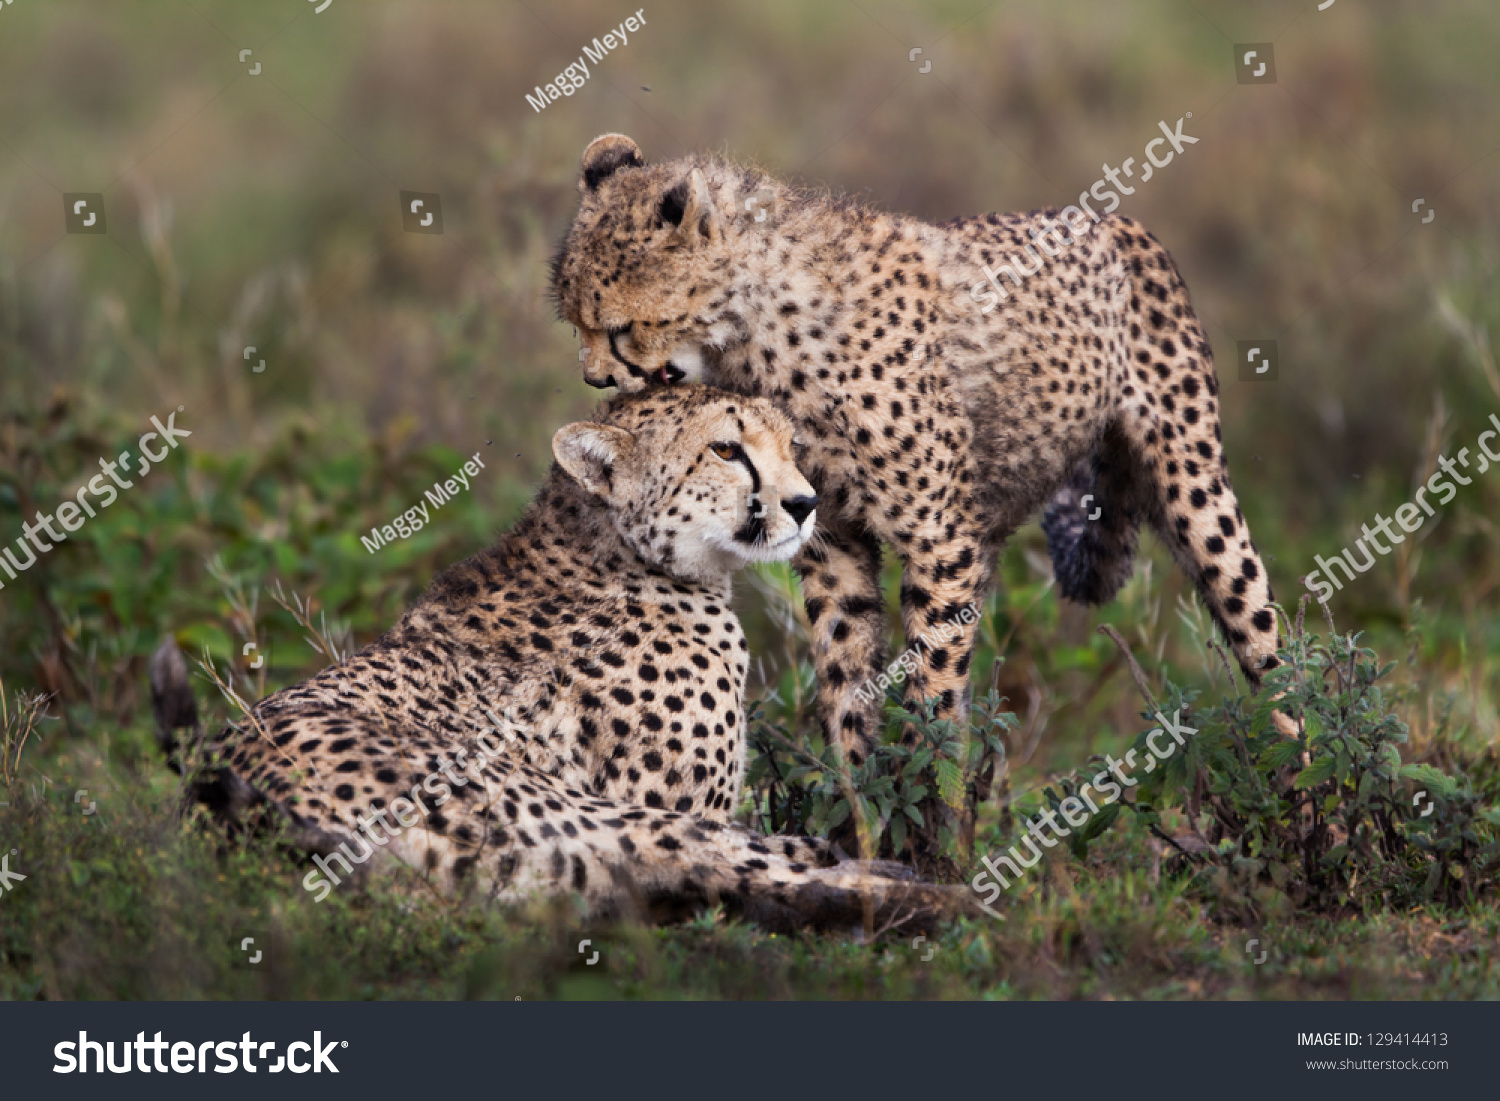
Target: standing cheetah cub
x,y
600,628
932,425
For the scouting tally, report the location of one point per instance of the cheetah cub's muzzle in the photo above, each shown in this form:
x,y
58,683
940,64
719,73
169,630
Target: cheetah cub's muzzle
x,y
632,357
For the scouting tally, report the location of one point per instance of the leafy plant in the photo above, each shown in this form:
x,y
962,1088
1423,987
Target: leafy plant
x,y
924,778
1303,787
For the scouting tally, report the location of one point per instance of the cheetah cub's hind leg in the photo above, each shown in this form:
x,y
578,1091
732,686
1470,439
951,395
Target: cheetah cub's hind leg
x,y
1161,459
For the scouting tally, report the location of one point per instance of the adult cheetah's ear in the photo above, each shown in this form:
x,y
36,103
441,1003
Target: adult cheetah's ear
x,y
604,157
690,207
589,453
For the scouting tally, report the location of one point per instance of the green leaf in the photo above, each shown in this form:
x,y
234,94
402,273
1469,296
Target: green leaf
x,y
1336,855
1100,822
1280,754
950,781
1317,731
1430,778
1315,773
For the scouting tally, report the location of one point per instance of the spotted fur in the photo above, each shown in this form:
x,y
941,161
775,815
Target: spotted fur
x,y
932,426
593,651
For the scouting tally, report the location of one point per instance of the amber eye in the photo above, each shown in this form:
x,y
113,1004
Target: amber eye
x,y
724,451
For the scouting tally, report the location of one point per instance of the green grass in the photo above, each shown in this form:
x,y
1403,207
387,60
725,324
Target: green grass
x,y
131,904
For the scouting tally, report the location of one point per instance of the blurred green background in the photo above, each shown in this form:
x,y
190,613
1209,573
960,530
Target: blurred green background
x,y
262,210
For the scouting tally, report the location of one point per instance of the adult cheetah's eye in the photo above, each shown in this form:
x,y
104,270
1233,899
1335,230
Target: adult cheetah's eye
x,y
725,451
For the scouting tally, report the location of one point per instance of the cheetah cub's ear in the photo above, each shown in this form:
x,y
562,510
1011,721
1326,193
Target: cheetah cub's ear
x,y
690,207
604,157
589,453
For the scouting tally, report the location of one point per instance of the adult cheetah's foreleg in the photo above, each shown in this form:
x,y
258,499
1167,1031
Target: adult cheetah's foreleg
x,y
548,839
840,572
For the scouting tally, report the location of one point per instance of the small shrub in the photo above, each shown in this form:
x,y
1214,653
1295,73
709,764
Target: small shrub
x,y
928,785
1330,817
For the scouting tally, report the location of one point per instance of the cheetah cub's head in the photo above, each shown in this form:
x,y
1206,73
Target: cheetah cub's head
x,y
698,482
634,273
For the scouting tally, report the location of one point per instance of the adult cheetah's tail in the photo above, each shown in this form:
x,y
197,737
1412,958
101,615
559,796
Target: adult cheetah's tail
x,y
1092,523
782,896
172,699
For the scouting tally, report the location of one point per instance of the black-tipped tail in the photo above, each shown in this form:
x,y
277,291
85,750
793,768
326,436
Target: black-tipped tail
x,y
171,698
1092,524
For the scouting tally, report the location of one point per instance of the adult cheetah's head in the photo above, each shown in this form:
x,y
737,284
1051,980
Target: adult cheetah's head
x,y
635,272
699,482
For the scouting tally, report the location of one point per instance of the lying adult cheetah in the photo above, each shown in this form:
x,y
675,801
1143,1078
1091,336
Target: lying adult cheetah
x,y
563,712
934,421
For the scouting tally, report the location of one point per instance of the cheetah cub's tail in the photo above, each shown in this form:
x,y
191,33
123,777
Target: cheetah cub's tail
x,y
1092,523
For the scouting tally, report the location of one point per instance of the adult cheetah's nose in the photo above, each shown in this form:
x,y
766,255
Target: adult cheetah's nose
x,y
799,508
600,384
